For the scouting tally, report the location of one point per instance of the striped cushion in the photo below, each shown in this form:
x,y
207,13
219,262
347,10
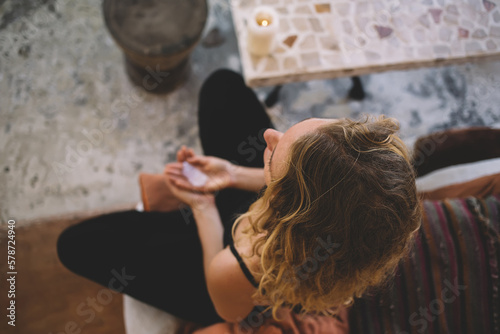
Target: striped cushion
x,y
449,282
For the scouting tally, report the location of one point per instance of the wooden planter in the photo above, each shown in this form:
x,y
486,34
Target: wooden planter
x,y
157,37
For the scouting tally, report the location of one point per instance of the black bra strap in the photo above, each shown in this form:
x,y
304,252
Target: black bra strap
x,y
243,266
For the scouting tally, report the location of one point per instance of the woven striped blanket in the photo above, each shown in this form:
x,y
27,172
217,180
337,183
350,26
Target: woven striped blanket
x,y
449,282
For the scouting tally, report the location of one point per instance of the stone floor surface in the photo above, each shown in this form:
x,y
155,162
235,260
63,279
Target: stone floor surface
x,y
75,133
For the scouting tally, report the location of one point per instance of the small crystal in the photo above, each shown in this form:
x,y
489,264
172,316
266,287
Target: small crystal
x,y
194,176
361,22
290,63
247,3
322,7
372,56
303,10
409,52
479,34
343,8
346,24
414,8
399,23
419,35
269,2
424,20
405,36
290,40
308,43
467,24
383,18
488,5
348,43
329,43
272,65
473,47
378,6
469,12
436,14
394,41
256,62
495,31
441,50
284,25
300,23
451,19
445,34
282,10
331,59
452,9
315,24
383,31
310,59
483,19
425,51
496,16
361,41
362,7
491,45
279,49
463,33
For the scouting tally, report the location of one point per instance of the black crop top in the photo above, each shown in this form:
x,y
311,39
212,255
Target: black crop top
x,y
243,266
248,274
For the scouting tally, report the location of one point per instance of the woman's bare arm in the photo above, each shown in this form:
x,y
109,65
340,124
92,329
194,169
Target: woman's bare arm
x,y
229,289
210,231
248,178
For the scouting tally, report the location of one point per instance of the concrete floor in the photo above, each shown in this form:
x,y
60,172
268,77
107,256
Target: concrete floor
x,y
75,133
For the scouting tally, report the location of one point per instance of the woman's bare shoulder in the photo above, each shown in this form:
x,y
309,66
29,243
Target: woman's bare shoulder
x,y
229,289
225,262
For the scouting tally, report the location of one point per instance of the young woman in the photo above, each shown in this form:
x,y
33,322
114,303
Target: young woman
x,y
306,219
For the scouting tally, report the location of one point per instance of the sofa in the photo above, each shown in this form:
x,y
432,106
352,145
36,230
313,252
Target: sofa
x,y
449,282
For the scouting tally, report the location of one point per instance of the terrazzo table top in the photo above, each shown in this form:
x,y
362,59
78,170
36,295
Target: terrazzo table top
x,y
321,39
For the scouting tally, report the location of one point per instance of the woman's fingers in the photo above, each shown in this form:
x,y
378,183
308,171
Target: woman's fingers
x,y
189,153
180,154
174,172
180,182
173,166
185,153
198,161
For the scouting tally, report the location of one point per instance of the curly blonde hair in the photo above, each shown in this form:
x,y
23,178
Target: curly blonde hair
x,y
340,218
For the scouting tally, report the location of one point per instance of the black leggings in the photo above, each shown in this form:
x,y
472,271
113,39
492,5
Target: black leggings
x,y
156,257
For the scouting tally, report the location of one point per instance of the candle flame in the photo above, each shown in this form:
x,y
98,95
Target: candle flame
x,y
263,22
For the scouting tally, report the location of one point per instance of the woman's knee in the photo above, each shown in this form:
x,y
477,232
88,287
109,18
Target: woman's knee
x,y
78,245
220,82
68,248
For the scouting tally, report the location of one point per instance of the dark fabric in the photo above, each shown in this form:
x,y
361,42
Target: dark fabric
x,y
157,255
456,146
449,282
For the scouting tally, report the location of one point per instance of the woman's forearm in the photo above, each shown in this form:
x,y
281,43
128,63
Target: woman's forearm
x,y
248,178
210,231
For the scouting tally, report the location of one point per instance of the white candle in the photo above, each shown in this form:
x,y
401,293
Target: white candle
x,y
263,25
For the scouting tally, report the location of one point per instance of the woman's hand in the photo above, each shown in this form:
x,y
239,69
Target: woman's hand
x,y
195,199
220,172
